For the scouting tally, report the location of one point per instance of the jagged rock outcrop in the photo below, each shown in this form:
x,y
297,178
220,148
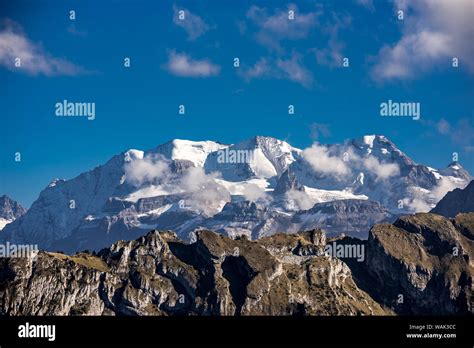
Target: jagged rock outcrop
x,y
287,182
456,201
10,210
423,264
158,274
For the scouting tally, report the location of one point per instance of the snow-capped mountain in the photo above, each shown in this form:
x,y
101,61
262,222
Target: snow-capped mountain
x,y
10,210
256,187
261,157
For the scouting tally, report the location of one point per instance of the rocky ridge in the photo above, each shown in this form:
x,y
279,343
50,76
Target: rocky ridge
x,y
426,258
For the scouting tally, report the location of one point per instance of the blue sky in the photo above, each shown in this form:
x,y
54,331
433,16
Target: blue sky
x,y
191,63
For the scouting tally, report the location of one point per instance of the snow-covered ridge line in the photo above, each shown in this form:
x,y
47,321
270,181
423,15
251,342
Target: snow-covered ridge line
x,y
186,185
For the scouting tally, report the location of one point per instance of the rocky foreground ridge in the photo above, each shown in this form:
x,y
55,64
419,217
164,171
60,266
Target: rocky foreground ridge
x,y
420,264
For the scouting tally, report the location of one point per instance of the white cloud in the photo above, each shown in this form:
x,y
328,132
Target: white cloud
x,y
35,60
332,55
443,127
433,32
294,70
273,28
146,170
205,194
183,65
192,24
301,199
460,132
322,162
381,170
419,202
291,69
417,205
201,191
319,129
369,4
261,68
254,193
444,186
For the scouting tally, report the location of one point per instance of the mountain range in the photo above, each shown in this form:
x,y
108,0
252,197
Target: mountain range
x,y
255,188
405,268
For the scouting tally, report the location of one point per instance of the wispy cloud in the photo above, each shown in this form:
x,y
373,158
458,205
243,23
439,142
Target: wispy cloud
x,y
382,171
72,29
292,69
194,25
276,27
432,33
34,59
262,68
332,55
319,130
461,133
369,4
180,64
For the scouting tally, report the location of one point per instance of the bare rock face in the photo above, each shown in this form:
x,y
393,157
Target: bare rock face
x,y
423,264
158,274
456,201
10,209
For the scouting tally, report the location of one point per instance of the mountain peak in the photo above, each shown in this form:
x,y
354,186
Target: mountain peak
x,y
193,151
455,165
9,210
375,144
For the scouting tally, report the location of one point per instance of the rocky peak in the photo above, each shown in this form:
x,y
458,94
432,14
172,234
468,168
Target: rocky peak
x,y
287,182
10,209
425,260
159,275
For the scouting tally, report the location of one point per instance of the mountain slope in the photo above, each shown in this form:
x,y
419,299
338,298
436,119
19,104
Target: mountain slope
x,y
351,216
456,201
427,259
408,267
160,275
184,185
